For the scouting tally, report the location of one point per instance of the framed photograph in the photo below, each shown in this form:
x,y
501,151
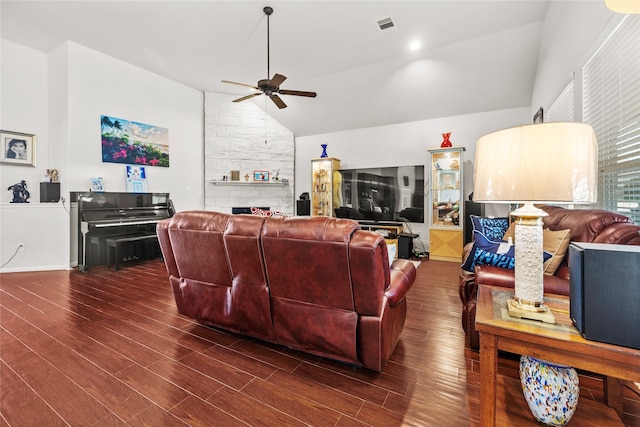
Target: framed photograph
x,y
136,179
97,184
17,148
539,116
261,176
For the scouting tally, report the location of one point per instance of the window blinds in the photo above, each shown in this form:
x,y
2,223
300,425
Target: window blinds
x,y
611,105
562,108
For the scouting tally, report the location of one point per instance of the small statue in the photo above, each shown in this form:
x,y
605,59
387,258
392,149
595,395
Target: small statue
x,y
53,175
20,192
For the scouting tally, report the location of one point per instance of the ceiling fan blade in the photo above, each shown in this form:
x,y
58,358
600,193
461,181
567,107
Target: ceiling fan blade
x,y
277,80
297,93
241,84
278,101
244,98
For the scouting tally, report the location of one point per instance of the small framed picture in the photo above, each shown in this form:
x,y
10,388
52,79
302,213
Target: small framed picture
x,y
17,148
136,179
539,116
235,175
97,184
261,176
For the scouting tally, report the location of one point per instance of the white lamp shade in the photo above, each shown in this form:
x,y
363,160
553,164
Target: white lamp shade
x,y
623,6
540,163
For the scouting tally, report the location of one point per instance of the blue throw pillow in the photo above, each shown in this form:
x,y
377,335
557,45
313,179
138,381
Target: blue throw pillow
x,y
493,228
497,253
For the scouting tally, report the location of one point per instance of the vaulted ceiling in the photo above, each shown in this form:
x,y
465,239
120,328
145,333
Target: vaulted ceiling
x,y
475,55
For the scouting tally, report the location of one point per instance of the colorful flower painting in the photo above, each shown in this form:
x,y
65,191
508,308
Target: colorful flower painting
x,y
134,143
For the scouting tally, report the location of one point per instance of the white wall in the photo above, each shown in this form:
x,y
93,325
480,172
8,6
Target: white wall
x,y
24,109
571,33
60,97
42,228
242,137
101,85
404,144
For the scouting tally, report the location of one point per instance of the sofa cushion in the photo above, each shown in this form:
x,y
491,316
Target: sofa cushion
x,y
556,243
493,228
488,252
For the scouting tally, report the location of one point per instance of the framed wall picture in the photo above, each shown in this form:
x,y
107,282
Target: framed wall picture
x,y
261,176
129,142
17,148
539,116
136,179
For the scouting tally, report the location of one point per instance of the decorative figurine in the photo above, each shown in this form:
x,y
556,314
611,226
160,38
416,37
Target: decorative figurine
x,y
20,192
246,177
53,175
446,143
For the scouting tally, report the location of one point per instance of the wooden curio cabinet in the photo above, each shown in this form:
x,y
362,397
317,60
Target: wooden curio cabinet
x,y
446,207
325,186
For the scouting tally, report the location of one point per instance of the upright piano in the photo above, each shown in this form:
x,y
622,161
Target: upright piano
x,y
102,215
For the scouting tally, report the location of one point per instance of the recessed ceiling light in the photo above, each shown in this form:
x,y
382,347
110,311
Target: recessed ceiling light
x,y
415,45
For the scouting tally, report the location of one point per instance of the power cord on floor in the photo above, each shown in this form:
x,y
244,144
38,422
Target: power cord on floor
x,y
12,256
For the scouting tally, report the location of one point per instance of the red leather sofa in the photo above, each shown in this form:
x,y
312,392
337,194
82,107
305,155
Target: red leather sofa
x,y
586,225
316,284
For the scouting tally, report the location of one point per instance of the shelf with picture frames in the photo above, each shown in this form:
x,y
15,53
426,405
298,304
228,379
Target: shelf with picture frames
x,y
221,182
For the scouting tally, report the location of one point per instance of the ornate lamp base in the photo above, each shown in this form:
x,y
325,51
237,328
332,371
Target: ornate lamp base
x,y
528,301
522,310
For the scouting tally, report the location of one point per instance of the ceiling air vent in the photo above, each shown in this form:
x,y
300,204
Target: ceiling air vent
x,y
386,25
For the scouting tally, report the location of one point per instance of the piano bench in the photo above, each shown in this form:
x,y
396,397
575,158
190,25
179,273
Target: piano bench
x,y
118,242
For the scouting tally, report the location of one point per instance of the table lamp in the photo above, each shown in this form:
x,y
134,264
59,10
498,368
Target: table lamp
x,y
550,163
623,6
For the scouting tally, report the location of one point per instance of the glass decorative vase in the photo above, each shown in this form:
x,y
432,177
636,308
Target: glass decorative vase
x,y
324,151
551,391
445,140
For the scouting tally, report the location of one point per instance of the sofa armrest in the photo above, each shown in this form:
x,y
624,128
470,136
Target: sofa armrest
x,y
402,276
496,276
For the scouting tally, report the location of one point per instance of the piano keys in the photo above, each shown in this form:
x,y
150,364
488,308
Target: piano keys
x,y
102,215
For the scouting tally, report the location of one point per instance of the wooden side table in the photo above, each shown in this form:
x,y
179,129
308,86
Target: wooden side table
x,y
558,343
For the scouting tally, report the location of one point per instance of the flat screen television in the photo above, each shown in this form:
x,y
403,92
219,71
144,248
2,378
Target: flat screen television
x,y
383,194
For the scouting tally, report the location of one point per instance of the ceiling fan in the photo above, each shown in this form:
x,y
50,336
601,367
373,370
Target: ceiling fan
x,y
270,87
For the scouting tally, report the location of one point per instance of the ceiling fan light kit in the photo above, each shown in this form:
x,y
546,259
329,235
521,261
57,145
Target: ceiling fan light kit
x,y
270,87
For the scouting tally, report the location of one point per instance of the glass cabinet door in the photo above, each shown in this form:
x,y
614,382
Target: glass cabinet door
x,y
446,187
326,186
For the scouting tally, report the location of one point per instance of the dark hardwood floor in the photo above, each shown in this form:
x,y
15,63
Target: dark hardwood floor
x,y
108,348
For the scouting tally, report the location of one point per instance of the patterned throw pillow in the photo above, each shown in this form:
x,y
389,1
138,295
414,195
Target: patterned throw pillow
x,y
262,212
493,228
487,252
